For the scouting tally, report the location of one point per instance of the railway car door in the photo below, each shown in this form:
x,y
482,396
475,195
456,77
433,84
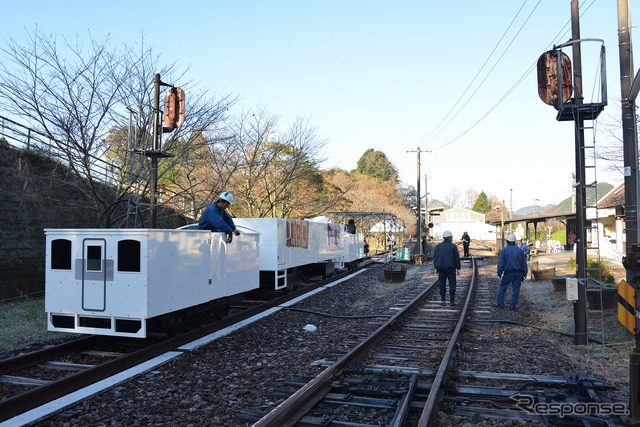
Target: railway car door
x,y
94,273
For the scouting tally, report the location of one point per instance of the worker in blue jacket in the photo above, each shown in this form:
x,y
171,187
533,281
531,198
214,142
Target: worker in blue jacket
x,y
215,217
512,269
446,260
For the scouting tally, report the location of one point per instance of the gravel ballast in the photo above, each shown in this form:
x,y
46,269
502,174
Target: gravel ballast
x,y
213,384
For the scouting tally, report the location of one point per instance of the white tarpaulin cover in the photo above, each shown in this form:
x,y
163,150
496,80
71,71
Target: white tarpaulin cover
x,y
388,226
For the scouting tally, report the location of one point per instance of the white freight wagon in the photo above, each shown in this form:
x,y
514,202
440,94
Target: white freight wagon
x,y
288,244
113,281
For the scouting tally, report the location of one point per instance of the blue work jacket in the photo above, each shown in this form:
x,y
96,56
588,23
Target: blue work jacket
x,y
512,259
215,219
446,256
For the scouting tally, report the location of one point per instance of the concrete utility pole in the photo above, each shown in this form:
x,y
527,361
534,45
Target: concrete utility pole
x,y
511,203
426,207
418,210
629,92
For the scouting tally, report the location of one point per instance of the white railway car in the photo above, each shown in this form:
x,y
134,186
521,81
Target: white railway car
x,y
116,281
291,245
353,249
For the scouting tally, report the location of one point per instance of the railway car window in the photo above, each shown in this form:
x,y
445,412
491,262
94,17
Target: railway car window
x,y
94,258
129,255
61,254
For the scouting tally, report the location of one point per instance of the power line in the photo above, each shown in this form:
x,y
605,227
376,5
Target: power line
x,y
504,34
563,31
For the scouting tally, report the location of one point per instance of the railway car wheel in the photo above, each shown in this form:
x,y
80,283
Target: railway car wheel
x,y
172,324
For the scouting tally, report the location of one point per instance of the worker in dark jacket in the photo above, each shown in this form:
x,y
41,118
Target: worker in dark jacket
x,y
466,241
446,260
512,269
216,218
351,227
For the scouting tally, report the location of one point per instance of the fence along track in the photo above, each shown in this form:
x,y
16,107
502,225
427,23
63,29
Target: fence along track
x,y
24,138
301,402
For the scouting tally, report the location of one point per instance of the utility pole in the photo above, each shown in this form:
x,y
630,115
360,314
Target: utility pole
x,y
629,92
511,203
418,210
502,223
426,208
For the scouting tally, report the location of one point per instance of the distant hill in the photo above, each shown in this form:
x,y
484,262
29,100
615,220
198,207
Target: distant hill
x,y
528,210
566,206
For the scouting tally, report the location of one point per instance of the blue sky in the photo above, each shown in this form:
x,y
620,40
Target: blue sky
x,y
388,75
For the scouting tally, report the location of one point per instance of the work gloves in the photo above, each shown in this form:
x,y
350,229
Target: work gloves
x,y
230,235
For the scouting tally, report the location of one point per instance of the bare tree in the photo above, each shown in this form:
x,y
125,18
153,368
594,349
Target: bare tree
x,y
471,196
276,173
77,93
369,194
66,91
454,198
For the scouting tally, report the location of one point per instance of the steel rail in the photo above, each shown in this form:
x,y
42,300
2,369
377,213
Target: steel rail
x,y
33,358
288,412
430,410
39,396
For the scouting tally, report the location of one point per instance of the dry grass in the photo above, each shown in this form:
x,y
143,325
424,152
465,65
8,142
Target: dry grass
x,y
23,323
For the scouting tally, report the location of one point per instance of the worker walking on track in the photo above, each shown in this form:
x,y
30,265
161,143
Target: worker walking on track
x,y
446,260
466,241
512,269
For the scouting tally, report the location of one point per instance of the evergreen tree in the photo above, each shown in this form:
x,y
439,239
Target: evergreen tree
x,y
375,164
481,204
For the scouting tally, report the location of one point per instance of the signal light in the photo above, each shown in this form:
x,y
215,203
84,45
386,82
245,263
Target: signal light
x,y
174,109
551,65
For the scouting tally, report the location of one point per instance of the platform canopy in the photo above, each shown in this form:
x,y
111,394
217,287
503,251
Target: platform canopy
x,y
388,226
367,222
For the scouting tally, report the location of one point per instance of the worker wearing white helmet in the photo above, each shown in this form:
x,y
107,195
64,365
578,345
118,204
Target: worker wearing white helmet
x,y
523,245
216,218
446,260
512,269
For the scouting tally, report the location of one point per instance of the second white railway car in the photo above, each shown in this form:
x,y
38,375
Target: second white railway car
x,y
288,244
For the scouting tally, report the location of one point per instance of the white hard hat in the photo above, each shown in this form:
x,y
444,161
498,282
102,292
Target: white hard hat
x,y
511,237
447,234
518,237
227,197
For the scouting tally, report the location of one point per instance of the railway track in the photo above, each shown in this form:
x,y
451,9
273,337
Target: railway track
x,y
410,372
490,384
33,380
394,376
391,382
